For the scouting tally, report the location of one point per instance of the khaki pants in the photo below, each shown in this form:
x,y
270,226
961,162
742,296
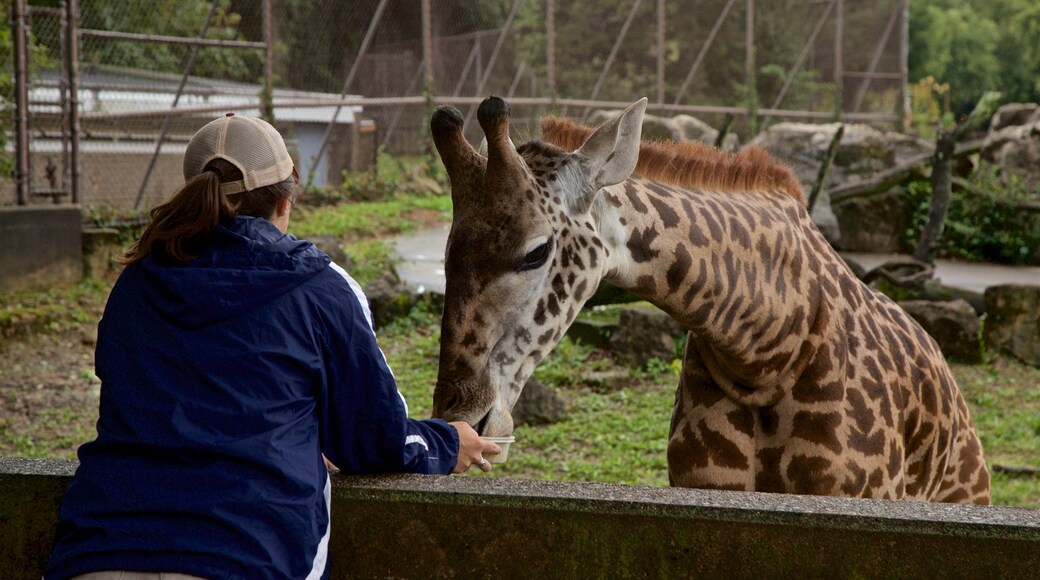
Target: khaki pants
x,y
119,575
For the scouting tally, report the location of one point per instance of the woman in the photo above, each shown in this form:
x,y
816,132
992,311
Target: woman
x,y
232,356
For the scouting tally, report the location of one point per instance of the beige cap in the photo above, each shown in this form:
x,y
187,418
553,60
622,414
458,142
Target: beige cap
x,y
250,144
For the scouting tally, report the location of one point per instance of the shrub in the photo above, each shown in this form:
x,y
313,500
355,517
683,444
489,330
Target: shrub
x,y
996,220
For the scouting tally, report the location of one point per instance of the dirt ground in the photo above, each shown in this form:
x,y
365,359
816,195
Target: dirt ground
x,y
48,392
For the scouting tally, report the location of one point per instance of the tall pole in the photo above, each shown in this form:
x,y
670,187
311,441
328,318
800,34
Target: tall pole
x,y
878,51
660,49
904,72
189,68
369,35
21,97
267,102
704,51
63,92
839,47
74,125
550,47
610,57
749,65
427,45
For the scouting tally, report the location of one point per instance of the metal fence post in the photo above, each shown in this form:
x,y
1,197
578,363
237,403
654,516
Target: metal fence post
x,y
661,49
550,47
21,91
189,67
427,46
72,66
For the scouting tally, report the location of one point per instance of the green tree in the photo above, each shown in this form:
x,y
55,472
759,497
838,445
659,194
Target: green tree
x,y
977,46
170,18
38,58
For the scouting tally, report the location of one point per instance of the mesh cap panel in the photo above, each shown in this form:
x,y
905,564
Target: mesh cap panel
x,y
250,144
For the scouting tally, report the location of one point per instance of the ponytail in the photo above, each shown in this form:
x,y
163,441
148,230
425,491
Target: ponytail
x,y
182,226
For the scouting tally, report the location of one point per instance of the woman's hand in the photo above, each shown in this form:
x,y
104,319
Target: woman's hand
x,y
472,448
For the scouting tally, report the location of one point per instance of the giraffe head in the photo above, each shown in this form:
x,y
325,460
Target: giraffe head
x,y
523,254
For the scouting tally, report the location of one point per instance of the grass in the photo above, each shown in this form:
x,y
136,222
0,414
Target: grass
x,y
616,426
617,433
54,430
369,220
1004,397
51,310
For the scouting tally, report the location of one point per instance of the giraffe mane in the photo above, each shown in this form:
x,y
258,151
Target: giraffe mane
x,y
690,163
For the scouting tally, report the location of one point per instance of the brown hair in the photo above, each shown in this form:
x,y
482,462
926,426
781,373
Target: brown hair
x,y
690,163
182,226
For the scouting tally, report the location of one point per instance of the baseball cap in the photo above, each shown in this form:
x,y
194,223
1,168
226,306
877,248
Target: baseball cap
x,y
250,144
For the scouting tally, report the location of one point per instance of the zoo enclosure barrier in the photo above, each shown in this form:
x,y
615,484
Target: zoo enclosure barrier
x,y
413,526
108,92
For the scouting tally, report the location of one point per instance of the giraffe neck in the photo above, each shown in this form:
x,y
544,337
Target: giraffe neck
x,y
731,269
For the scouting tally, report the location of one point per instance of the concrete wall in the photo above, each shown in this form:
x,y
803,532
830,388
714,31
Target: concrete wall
x,y
40,246
435,527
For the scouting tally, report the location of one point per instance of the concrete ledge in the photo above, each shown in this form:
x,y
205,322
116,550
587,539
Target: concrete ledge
x,y
427,527
40,246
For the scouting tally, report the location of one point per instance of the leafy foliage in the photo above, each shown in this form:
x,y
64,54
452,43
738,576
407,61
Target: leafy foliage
x,y
38,58
984,226
129,223
387,178
173,18
977,46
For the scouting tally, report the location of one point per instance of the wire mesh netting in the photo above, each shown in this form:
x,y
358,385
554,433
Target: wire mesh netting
x,y
347,78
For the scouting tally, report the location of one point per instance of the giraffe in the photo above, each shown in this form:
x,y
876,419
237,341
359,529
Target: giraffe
x,y
796,376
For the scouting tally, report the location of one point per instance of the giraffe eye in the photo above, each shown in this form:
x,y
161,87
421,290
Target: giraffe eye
x,y
535,258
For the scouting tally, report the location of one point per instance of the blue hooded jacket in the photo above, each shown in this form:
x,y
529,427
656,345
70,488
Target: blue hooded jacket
x,y
223,381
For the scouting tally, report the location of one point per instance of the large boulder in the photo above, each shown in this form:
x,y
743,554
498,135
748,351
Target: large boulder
x,y
1015,149
101,252
644,333
954,325
862,152
389,298
333,246
594,333
538,405
1013,114
874,223
1013,321
677,128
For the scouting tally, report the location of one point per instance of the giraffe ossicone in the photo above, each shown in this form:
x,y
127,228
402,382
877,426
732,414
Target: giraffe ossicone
x,y
797,377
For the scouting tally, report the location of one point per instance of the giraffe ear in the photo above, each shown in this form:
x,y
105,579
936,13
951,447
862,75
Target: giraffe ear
x,y
610,154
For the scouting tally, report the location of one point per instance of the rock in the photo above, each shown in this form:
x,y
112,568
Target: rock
x,y
862,152
857,269
954,325
1013,114
1015,149
389,298
690,128
1013,321
101,251
660,128
874,224
677,128
644,333
333,246
538,405
607,293
592,332
607,381
89,335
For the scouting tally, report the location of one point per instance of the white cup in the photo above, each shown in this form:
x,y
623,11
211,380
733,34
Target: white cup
x,y
502,442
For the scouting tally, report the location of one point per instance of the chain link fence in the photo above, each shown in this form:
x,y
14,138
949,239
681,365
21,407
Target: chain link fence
x,y
343,79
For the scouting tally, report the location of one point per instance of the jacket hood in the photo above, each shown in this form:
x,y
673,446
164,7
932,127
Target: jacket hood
x,y
249,264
